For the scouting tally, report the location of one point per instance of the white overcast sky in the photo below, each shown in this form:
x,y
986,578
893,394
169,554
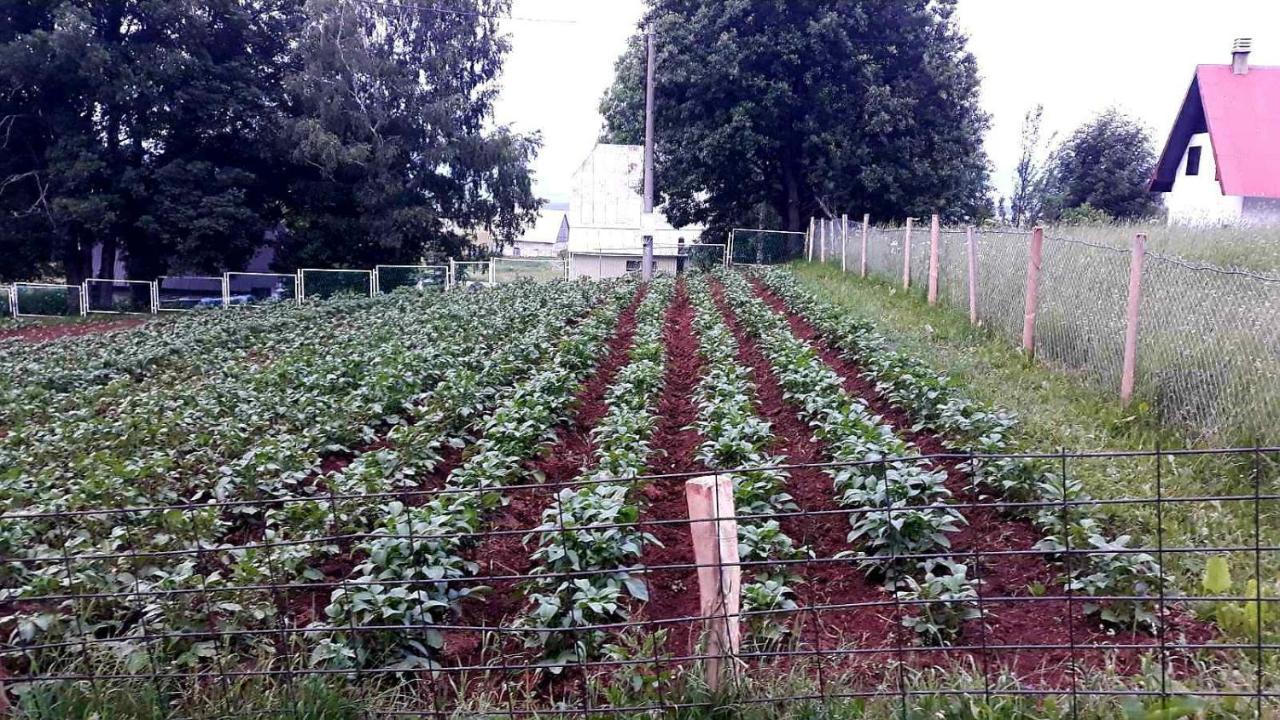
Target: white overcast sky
x,y
1077,57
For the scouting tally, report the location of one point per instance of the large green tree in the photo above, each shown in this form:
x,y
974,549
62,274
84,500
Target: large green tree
x,y
388,130
807,108
1106,165
175,134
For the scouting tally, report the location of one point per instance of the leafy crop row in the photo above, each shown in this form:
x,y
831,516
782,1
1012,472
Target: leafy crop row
x,y
899,503
734,436
1064,515
588,541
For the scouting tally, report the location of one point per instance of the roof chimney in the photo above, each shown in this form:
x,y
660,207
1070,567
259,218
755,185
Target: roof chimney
x,y
1240,56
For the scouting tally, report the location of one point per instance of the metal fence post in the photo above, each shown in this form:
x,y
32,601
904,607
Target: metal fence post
x,y
844,243
1127,376
713,526
1033,292
906,257
935,231
866,227
973,275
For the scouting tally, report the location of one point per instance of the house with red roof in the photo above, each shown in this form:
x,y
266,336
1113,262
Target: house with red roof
x,y
1221,164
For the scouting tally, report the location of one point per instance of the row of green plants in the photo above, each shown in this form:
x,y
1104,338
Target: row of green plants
x,y
1096,563
43,380
898,503
291,411
588,542
416,569
735,436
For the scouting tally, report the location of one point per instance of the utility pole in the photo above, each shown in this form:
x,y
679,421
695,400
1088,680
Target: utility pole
x,y
646,220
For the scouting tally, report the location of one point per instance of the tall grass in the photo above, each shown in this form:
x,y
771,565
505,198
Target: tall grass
x,y
1238,247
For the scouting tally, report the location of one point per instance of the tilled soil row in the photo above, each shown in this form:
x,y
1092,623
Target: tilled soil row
x,y
506,554
1017,625
674,593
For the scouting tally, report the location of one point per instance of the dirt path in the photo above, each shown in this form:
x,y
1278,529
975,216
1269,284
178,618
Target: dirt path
x,y
674,593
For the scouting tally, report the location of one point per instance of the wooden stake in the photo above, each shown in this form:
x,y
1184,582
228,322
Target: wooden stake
x,y
808,242
714,529
825,236
906,258
844,243
866,226
1127,377
1033,292
935,231
973,277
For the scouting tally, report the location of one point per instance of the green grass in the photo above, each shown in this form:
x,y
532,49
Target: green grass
x,y
1251,248
795,690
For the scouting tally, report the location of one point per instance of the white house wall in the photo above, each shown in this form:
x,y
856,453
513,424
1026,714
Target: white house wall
x,y
606,204
1198,199
1260,211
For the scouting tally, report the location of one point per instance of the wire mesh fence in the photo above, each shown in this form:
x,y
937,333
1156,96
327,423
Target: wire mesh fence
x,y
195,598
1208,353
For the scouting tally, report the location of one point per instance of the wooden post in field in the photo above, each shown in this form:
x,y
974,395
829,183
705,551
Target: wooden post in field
x,y
935,231
973,276
714,527
808,244
866,226
1131,318
825,236
906,257
844,243
1033,292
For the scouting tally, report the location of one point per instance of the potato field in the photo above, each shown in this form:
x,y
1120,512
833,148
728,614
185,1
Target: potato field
x,y
482,494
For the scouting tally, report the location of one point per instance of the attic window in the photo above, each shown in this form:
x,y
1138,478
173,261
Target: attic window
x,y
1193,160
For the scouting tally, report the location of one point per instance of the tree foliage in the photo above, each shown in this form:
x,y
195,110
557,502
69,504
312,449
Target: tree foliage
x,y
806,108
1097,174
176,134
1106,165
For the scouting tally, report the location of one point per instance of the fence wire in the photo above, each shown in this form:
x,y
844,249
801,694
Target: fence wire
x,y
1208,356
167,609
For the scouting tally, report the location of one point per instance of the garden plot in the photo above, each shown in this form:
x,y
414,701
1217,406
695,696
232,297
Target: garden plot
x,y
382,486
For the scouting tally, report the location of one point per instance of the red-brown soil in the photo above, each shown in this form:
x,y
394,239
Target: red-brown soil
x,y
44,333
503,555
673,593
1024,622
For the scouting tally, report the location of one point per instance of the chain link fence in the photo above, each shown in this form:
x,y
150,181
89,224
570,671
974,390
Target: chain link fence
x,y
1208,354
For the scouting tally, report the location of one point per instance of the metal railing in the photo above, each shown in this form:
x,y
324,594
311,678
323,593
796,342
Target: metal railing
x,y
838,634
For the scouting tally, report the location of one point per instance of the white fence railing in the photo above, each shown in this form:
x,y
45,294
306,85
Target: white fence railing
x,y
184,293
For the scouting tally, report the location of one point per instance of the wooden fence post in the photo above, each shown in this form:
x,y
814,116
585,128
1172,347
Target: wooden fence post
x,y
1127,376
714,527
906,257
1033,292
935,231
866,225
973,276
844,243
825,236
809,242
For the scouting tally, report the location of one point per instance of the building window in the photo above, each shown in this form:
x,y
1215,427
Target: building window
x,y
515,251
1193,160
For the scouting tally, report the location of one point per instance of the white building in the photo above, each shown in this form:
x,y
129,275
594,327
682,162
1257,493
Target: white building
x,y
1221,164
607,202
548,237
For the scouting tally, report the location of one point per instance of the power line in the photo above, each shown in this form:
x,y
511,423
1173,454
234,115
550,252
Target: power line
x,y
464,13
